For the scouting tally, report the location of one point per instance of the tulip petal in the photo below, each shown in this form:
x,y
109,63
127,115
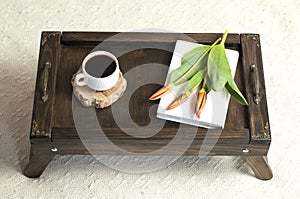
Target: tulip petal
x,y
174,104
178,101
201,100
160,93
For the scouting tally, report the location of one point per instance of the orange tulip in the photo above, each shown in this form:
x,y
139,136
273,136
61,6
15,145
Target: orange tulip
x,y
161,92
201,100
178,101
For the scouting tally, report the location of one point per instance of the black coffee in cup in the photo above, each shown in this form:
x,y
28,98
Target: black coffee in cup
x,y
100,66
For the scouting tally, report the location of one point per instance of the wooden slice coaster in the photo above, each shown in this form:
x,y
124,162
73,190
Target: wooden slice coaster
x,y
99,99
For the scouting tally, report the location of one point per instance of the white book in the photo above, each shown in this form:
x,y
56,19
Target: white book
x,y
214,113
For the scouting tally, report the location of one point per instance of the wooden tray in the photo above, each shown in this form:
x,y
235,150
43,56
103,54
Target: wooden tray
x,y
246,132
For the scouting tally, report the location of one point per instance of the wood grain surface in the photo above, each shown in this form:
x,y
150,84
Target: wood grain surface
x,y
247,128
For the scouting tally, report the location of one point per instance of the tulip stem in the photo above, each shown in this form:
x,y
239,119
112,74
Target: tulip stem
x,y
224,37
204,82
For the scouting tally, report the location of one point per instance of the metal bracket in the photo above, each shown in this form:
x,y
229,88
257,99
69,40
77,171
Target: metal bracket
x,y
36,132
265,134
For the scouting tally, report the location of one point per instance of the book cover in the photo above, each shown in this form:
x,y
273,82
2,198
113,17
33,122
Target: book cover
x,y
215,110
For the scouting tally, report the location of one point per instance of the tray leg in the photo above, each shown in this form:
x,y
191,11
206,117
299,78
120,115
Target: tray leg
x,y
260,167
37,163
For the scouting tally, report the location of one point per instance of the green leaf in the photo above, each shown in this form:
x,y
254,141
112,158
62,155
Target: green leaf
x,y
193,82
198,67
193,55
187,61
235,92
218,68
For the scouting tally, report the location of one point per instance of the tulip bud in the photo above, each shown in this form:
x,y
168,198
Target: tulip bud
x,y
161,92
201,100
178,101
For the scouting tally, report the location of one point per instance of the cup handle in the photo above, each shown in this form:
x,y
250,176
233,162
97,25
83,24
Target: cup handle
x,y
81,79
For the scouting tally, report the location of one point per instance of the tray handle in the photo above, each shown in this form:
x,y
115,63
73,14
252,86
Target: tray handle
x,y
47,67
256,96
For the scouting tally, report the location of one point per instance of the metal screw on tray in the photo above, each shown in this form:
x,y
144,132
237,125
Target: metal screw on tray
x,y
245,150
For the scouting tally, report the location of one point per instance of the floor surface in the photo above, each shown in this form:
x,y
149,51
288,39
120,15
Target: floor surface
x,y
277,22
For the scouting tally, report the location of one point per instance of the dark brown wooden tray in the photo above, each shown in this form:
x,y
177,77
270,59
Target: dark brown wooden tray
x,y
246,132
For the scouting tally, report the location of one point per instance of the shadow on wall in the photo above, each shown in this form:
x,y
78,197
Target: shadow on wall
x,y
16,100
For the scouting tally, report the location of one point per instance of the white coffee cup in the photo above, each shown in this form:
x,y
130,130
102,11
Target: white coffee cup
x,y
98,83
